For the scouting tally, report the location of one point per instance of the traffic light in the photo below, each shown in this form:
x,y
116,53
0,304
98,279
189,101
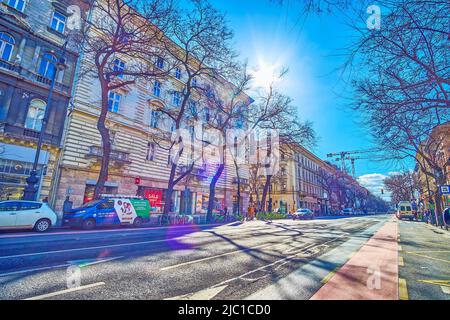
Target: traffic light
x,y
137,180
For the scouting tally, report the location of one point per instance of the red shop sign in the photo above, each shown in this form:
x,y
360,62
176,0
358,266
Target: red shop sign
x,y
154,197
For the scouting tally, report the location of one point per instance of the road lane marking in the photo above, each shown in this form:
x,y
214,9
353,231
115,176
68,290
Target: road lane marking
x,y
90,262
329,276
401,262
400,248
425,256
213,257
221,255
205,294
79,263
275,262
57,293
402,290
116,245
33,270
445,283
88,248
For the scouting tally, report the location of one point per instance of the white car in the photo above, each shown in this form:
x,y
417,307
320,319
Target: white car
x,y
21,214
303,214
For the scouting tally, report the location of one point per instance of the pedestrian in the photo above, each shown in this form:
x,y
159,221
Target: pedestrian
x,y
67,206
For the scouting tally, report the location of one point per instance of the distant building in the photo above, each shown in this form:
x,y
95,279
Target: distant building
x,y
32,34
297,184
437,147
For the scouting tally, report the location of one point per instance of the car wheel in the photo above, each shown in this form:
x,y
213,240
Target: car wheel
x,y
42,225
88,224
137,222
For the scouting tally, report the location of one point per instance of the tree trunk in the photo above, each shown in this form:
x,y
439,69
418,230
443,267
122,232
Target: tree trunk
x,y
212,191
106,144
169,191
262,207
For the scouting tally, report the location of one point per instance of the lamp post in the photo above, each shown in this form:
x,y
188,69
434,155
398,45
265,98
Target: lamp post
x,y
30,191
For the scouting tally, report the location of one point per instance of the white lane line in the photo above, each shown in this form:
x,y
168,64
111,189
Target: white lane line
x,y
110,246
275,262
58,233
33,270
87,248
80,263
214,257
57,293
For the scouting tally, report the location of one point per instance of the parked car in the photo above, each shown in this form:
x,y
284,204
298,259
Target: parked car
x,y
303,214
109,211
21,214
347,212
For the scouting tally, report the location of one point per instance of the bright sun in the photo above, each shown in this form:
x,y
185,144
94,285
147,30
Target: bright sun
x,y
264,74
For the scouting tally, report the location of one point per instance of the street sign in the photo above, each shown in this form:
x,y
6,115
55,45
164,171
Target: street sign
x,y
445,189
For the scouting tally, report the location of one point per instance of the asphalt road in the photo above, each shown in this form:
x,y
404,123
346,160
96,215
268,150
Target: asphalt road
x,y
425,262
233,261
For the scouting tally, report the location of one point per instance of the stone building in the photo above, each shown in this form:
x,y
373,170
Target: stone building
x,y
139,165
32,35
297,184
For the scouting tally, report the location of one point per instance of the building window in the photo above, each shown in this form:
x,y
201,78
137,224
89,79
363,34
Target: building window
x,y
154,119
151,150
47,68
114,101
160,62
176,98
58,22
178,73
207,116
35,115
119,66
6,46
157,89
19,5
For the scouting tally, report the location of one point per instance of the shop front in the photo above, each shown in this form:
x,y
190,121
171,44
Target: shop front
x,y
16,163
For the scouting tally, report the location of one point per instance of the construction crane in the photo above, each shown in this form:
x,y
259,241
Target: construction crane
x,y
348,155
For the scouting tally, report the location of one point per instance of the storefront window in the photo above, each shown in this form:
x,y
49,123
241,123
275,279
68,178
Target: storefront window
x,y
89,192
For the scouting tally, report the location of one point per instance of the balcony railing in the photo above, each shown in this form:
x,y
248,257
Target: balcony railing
x,y
115,155
33,76
9,66
243,181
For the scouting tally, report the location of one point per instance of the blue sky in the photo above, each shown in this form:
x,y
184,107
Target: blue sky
x,y
267,34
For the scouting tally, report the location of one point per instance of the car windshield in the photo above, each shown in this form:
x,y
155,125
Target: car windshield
x,y
91,204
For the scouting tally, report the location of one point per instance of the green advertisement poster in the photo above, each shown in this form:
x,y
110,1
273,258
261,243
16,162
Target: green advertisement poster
x,y
142,207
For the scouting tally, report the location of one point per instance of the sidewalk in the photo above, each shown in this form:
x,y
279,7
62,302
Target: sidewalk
x,y
371,274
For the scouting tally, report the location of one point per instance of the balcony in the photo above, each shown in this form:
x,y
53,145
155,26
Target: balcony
x,y
243,181
116,156
32,76
29,134
9,66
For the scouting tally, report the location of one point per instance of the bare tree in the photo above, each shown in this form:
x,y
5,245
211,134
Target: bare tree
x,y
228,103
119,42
274,113
402,186
198,43
403,93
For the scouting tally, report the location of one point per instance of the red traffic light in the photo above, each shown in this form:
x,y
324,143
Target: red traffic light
x,y
137,180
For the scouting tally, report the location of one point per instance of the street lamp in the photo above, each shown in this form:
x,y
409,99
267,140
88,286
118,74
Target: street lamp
x,y
30,191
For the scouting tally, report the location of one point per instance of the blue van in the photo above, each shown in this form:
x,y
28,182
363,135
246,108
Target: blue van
x,y
107,212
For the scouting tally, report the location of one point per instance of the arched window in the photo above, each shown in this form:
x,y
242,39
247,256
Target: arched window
x,y
36,113
47,67
6,46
